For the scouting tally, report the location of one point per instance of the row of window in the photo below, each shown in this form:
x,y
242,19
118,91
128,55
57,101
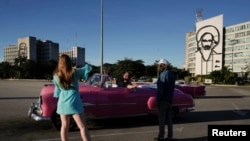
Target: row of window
x,y
237,48
237,61
242,34
238,28
238,54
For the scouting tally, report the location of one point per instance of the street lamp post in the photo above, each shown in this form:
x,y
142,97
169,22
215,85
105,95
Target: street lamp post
x,y
158,67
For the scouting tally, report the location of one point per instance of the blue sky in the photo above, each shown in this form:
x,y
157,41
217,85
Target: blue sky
x,y
134,29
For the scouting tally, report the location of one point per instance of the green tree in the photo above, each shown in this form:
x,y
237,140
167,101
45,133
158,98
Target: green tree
x,y
29,69
5,70
136,67
227,75
216,76
151,71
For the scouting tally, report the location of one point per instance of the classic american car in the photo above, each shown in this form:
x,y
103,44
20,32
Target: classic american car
x,y
195,90
102,99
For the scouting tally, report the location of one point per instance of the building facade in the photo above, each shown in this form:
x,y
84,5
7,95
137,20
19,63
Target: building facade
x,y
41,51
237,46
47,50
10,53
27,48
77,55
212,46
32,49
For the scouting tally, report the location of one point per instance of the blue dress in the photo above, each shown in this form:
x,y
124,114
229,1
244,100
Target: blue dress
x,y
69,100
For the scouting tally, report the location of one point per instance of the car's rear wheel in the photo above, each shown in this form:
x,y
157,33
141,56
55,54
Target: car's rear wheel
x,y
57,122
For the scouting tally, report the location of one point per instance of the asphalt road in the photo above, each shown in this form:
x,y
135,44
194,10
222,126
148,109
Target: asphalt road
x,y
221,105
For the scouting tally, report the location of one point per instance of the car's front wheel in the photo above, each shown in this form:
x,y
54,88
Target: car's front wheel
x,y
57,122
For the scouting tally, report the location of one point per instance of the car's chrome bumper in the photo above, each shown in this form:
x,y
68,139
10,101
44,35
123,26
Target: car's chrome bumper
x,y
191,108
35,112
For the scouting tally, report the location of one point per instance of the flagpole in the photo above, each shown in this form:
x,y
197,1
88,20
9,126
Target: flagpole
x,y
101,67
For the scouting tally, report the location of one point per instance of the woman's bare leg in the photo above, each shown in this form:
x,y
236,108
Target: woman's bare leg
x,y
82,125
65,119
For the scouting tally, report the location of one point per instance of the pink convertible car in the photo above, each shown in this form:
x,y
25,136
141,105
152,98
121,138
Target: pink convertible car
x,y
193,90
106,100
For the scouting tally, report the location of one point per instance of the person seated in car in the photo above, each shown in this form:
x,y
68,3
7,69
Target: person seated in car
x,y
126,81
106,79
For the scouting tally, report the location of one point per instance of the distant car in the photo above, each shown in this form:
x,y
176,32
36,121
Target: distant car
x,y
106,100
195,90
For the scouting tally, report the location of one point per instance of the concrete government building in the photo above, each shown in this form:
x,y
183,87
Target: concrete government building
x,y
212,46
41,51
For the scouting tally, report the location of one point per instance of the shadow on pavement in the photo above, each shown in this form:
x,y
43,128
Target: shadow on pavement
x,y
192,139
191,117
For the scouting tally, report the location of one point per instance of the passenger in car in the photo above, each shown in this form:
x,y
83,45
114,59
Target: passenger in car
x,y
126,81
106,79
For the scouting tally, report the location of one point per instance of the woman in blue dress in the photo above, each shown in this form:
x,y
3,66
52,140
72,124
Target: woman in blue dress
x,y
66,78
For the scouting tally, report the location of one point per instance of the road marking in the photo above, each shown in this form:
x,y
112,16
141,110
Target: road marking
x,y
238,111
180,129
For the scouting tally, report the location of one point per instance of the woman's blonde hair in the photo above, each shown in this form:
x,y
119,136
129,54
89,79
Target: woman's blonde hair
x,y
64,71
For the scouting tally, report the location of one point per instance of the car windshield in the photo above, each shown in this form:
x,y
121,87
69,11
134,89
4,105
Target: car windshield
x,y
95,80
